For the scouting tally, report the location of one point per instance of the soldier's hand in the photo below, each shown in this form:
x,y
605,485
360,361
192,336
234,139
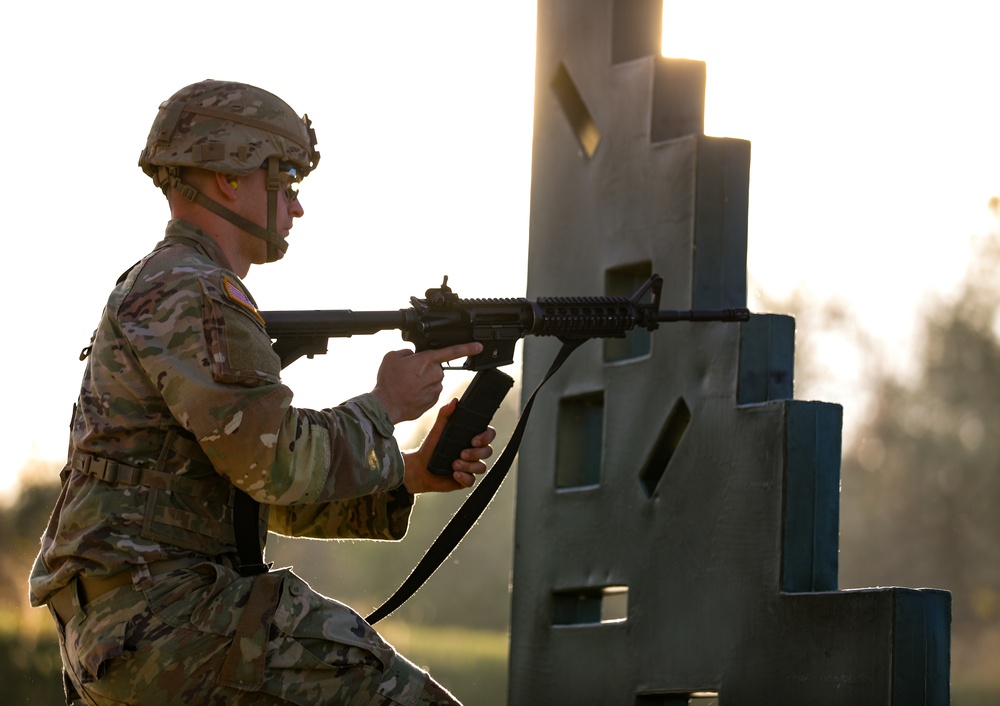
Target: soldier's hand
x,y
409,383
470,463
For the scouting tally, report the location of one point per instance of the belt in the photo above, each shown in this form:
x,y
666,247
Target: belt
x,y
90,589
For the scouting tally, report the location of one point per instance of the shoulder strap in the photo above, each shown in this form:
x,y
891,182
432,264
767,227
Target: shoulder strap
x,y
85,353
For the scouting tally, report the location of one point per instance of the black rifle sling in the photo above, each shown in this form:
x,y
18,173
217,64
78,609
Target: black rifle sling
x,y
472,508
246,527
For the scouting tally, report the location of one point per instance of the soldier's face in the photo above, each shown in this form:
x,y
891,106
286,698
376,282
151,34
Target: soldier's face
x,y
253,205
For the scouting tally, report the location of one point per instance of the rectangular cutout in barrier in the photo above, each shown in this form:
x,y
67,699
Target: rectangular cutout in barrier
x,y
623,281
592,605
580,442
686,698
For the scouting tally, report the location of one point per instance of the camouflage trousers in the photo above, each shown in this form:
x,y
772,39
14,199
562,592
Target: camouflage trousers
x,y
206,635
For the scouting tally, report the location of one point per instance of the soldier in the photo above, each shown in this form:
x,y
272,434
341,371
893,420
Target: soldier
x,y
183,430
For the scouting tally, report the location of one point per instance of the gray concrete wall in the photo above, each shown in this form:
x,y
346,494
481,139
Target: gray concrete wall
x,y
677,509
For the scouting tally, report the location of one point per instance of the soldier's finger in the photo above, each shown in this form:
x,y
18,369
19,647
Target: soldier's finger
x,y
449,353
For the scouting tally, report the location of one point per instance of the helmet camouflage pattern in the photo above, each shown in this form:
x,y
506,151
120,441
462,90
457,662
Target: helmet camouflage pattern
x,y
233,128
227,127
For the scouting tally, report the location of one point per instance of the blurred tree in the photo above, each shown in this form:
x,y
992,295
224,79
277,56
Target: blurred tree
x,y
21,525
29,651
921,484
921,469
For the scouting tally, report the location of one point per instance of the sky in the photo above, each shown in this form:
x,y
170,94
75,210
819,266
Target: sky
x,y
875,132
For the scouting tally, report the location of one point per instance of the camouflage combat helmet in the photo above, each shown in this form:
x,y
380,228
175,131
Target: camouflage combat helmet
x,y
233,128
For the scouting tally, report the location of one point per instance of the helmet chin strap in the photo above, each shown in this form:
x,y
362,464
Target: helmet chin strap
x,y
276,245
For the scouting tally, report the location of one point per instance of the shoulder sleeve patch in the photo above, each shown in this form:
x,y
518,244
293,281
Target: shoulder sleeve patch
x,y
240,297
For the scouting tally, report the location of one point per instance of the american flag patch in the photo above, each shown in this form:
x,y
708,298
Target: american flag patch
x,y
238,295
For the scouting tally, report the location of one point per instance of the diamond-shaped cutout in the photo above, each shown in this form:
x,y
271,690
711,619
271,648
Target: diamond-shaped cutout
x,y
580,120
666,445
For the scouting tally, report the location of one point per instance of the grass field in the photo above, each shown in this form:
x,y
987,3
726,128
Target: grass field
x,y
471,663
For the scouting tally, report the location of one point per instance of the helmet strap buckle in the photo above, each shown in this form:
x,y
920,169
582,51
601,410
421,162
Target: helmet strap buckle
x,y
186,190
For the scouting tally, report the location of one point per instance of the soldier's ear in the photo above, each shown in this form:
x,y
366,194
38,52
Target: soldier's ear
x,y
227,184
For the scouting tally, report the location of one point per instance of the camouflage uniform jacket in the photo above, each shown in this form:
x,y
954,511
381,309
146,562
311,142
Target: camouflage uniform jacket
x,y
182,389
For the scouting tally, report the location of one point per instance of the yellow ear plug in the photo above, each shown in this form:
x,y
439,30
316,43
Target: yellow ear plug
x,y
233,183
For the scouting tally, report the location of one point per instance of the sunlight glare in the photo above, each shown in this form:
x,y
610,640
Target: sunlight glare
x,y
680,38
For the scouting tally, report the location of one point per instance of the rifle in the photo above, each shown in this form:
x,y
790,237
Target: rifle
x,y
442,319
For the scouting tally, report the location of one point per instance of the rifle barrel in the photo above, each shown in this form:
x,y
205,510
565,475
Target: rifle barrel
x,y
703,315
